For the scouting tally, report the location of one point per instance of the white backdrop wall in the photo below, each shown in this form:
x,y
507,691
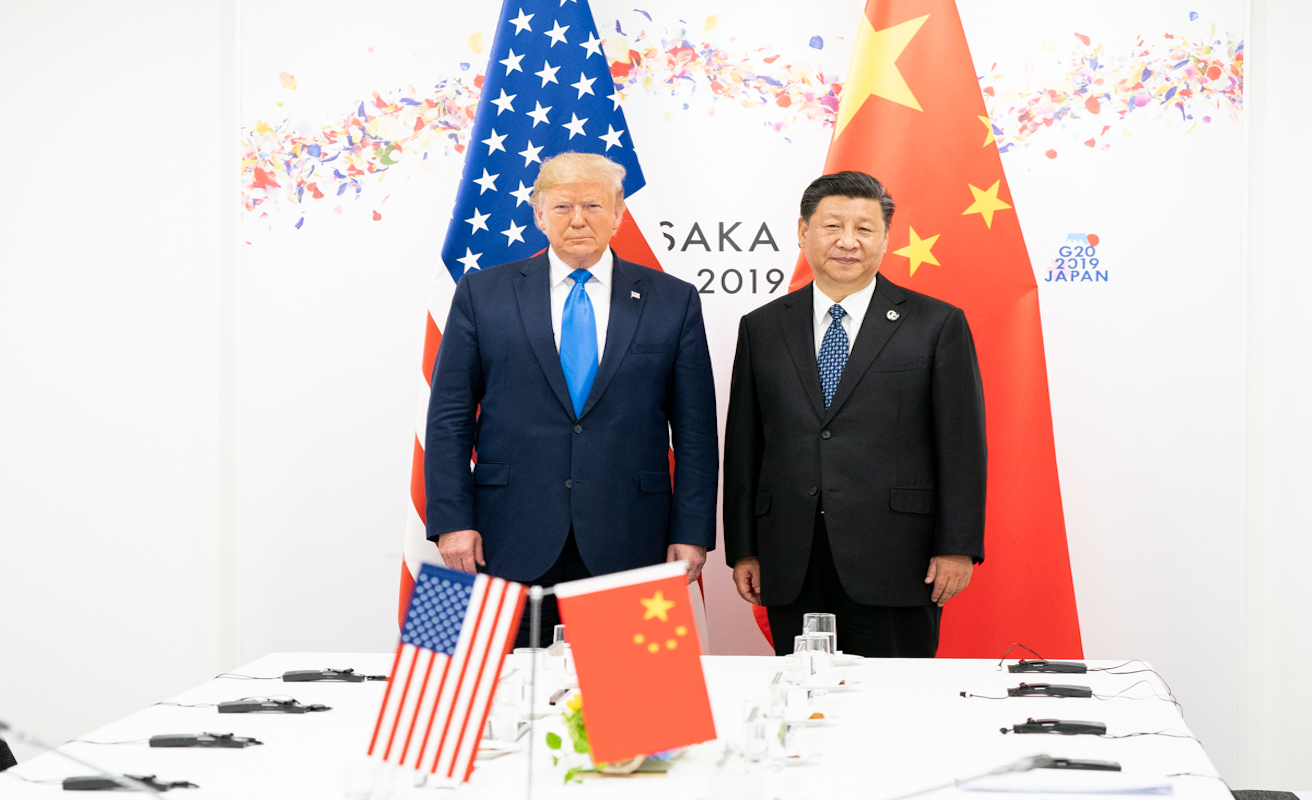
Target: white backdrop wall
x,y
1278,471
124,348
116,357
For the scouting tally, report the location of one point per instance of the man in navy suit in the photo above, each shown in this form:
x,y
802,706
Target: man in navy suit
x,y
568,376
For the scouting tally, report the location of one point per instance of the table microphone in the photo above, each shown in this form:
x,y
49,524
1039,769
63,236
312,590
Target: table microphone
x,y
110,783
347,675
250,705
125,781
202,740
1049,690
1040,665
1024,765
1065,727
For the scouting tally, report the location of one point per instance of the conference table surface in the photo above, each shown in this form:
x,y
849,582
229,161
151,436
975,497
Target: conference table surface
x,y
899,726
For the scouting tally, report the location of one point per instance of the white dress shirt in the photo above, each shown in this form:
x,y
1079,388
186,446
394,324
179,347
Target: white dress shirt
x,y
598,288
855,304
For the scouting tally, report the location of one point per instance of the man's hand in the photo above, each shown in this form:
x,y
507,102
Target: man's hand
x,y
693,554
747,578
462,550
949,574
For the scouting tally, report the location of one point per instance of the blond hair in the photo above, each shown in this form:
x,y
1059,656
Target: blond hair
x,y
579,168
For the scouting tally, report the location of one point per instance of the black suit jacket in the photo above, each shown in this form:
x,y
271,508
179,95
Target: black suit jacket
x,y
898,459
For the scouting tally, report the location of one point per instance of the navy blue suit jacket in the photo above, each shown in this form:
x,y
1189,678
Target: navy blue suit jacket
x,y
499,390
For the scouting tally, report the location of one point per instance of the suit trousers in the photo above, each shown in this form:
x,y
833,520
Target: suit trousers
x,y
871,631
569,566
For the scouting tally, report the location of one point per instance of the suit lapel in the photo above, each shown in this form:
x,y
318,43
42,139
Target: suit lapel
x,y
625,310
799,337
876,330
533,292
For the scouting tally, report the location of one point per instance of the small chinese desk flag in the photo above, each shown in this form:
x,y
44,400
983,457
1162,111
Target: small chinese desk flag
x,y
456,634
639,661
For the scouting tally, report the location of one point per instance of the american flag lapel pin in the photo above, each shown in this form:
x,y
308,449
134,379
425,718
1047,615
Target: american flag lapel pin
x,y
635,295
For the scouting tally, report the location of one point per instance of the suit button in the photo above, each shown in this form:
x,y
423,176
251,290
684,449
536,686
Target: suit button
x,y
825,434
812,491
578,429
570,485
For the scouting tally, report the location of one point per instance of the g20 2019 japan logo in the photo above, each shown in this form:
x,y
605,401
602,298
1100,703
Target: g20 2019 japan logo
x,y
1077,261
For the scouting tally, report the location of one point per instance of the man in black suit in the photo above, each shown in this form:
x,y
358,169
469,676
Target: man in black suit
x,y
855,459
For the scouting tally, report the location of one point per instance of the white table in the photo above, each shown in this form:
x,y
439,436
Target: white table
x,y
903,727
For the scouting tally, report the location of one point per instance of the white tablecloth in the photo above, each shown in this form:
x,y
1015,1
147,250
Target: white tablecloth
x,y
901,727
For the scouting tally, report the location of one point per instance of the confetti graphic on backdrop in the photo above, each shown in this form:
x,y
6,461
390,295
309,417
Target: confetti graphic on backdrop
x,y
669,63
1101,90
285,165
1098,89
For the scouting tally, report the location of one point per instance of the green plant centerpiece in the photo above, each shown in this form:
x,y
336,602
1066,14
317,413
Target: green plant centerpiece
x,y
653,764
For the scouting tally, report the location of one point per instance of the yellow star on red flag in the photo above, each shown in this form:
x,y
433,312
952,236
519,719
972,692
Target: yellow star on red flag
x,y
986,202
657,606
919,251
874,69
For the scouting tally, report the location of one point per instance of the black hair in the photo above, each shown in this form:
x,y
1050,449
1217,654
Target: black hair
x,y
847,184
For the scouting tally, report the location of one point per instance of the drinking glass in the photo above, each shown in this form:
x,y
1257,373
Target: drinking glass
x,y
755,738
822,623
814,648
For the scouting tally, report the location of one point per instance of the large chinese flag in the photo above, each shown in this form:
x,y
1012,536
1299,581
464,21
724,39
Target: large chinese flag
x,y
639,661
913,116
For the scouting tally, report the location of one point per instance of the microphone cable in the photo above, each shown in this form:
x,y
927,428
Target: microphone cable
x,y
1021,646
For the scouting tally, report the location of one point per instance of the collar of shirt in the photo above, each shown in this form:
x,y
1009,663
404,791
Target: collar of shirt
x,y
601,271
855,304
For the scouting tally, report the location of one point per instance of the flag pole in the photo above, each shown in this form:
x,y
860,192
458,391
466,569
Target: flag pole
x,y
534,622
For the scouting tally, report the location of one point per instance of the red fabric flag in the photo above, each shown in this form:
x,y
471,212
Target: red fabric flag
x,y
639,661
912,115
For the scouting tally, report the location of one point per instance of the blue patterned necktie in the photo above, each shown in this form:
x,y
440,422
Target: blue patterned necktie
x,y
578,342
833,354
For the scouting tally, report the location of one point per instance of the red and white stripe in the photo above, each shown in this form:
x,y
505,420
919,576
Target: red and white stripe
x,y
435,707
418,549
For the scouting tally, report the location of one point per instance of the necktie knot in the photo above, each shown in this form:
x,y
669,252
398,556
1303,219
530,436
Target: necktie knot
x,y
836,311
582,276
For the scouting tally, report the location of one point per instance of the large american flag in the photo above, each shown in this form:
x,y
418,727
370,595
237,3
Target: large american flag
x,y
548,89
454,640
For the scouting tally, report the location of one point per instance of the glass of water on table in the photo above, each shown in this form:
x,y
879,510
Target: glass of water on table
x,y
822,623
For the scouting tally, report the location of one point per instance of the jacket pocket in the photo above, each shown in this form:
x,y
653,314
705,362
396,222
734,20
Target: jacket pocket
x,y
897,366
762,503
491,474
652,347
654,481
913,501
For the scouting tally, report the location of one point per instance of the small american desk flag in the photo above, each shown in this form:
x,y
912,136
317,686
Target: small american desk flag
x,y
455,637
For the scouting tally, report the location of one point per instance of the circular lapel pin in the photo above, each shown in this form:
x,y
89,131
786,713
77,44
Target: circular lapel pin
x,y
893,315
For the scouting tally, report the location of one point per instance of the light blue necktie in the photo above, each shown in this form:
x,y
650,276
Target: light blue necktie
x,y
833,354
578,342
